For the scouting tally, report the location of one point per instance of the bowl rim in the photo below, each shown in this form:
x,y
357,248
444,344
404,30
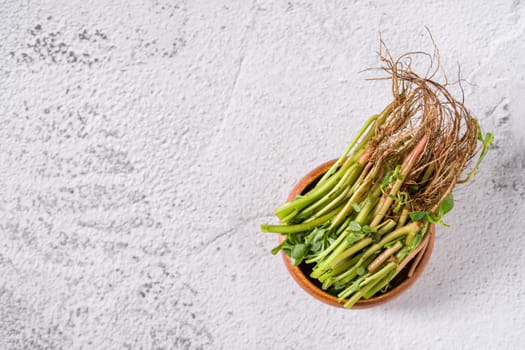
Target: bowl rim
x,y
321,295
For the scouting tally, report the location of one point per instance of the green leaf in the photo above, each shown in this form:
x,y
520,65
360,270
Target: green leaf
x,y
338,286
335,289
368,229
354,226
298,253
294,238
356,207
417,240
316,247
418,215
447,204
436,219
354,237
316,235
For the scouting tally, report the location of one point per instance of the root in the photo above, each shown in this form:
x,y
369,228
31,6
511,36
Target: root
x,y
423,107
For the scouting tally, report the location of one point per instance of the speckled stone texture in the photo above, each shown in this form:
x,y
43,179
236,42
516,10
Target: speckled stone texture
x,y
142,143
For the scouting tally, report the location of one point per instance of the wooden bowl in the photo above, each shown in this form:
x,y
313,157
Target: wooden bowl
x,y
301,273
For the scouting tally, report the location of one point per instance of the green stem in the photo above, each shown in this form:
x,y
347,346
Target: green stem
x,y
407,229
354,199
380,285
329,201
349,275
330,277
385,227
334,273
379,206
428,171
407,165
404,256
325,265
310,197
487,141
278,247
387,203
385,254
341,243
287,229
330,248
337,164
403,217
289,217
351,288
343,226
351,251
366,208
378,276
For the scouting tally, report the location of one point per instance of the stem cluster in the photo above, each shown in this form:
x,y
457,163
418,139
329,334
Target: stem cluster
x,y
353,209
367,217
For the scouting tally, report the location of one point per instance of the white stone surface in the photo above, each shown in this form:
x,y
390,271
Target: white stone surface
x,y
142,143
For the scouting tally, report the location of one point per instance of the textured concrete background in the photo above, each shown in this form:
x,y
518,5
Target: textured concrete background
x,y
143,143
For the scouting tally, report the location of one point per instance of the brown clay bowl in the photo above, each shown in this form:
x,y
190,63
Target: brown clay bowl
x,y
301,273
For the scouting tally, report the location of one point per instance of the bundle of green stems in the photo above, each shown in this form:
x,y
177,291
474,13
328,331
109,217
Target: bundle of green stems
x,y
368,217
